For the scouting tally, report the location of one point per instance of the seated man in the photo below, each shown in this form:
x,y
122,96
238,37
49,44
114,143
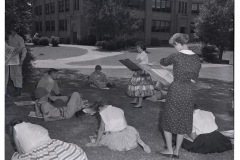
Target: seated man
x,y
160,93
59,109
49,82
97,79
204,137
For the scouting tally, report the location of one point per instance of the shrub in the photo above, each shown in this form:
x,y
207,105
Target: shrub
x,y
155,42
101,44
35,40
210,53
120,43
91,40
196,48
110,45
55,41
44,41
27,67
132,41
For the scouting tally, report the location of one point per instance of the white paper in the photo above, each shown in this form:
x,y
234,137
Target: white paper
x,y
25,103
33,114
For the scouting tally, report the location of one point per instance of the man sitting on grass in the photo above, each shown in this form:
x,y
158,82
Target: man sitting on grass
x,y
59,109
49,82
97,79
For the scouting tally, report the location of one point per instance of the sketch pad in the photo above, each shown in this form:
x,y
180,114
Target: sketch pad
x,y
24,103
130,65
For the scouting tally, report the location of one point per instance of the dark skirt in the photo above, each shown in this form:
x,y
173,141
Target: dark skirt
x,y
213,142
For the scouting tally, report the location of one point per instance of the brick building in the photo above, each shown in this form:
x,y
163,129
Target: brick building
x,y
161,18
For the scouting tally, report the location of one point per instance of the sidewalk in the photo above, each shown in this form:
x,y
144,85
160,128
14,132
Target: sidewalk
x,y
212,71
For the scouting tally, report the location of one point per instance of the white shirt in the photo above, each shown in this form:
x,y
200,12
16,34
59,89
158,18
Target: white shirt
x,y
113,119
46,82
203,122
17,41
30,136
143,57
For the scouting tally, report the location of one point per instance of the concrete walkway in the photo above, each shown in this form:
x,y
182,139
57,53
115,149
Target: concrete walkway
x,y
212,71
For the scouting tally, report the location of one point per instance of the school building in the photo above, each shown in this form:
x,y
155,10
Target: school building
x,y
161,18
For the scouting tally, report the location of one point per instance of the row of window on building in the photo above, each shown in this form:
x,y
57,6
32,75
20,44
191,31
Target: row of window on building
x,y
50,25
157,25
63,6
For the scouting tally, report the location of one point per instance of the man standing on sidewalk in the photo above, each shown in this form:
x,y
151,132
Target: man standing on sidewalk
x,y
17,42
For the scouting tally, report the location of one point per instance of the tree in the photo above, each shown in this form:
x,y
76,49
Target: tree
x,y
111,18
18,13
215,24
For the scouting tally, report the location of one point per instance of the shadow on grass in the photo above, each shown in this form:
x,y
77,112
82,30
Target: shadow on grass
x,y
145,120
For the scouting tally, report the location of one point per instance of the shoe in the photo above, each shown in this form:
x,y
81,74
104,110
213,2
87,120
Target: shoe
x,y
175,156
133,102
18,92
137,107
165,155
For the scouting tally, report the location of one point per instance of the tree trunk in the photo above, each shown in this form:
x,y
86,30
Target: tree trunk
x,y
221,53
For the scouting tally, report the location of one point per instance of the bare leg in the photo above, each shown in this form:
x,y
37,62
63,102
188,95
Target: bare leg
x,y
134,101
168,137
139,102
146,148
179,143
37,109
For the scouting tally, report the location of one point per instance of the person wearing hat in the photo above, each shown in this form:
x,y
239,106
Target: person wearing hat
x,y
15,68
49,82
59,109
97,79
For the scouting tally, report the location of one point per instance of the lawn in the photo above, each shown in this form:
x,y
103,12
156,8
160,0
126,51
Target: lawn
x,y
49,52
216,99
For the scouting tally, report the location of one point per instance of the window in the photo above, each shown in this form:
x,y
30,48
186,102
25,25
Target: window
x,y
161,5
40,10
36,10
47,11
53,7
185,8
66,5
61,25
182,7
40,26
52,25
61,6
37,26
65,24
48,26
76,5
160,26
179,6
196,7
137,4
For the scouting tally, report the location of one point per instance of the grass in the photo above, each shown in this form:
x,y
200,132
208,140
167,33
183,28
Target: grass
x,y
146,120
49,52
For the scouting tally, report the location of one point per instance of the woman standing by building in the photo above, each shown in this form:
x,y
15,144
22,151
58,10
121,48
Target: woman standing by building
x,y
177,115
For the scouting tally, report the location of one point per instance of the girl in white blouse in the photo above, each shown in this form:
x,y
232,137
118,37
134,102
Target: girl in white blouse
x,y
141,84
114,131
204,137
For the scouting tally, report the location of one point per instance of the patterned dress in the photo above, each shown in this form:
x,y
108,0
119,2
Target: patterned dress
x,y
177,114
141,84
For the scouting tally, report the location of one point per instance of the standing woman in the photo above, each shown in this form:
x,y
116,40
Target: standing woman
x,y
141,84
177,115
